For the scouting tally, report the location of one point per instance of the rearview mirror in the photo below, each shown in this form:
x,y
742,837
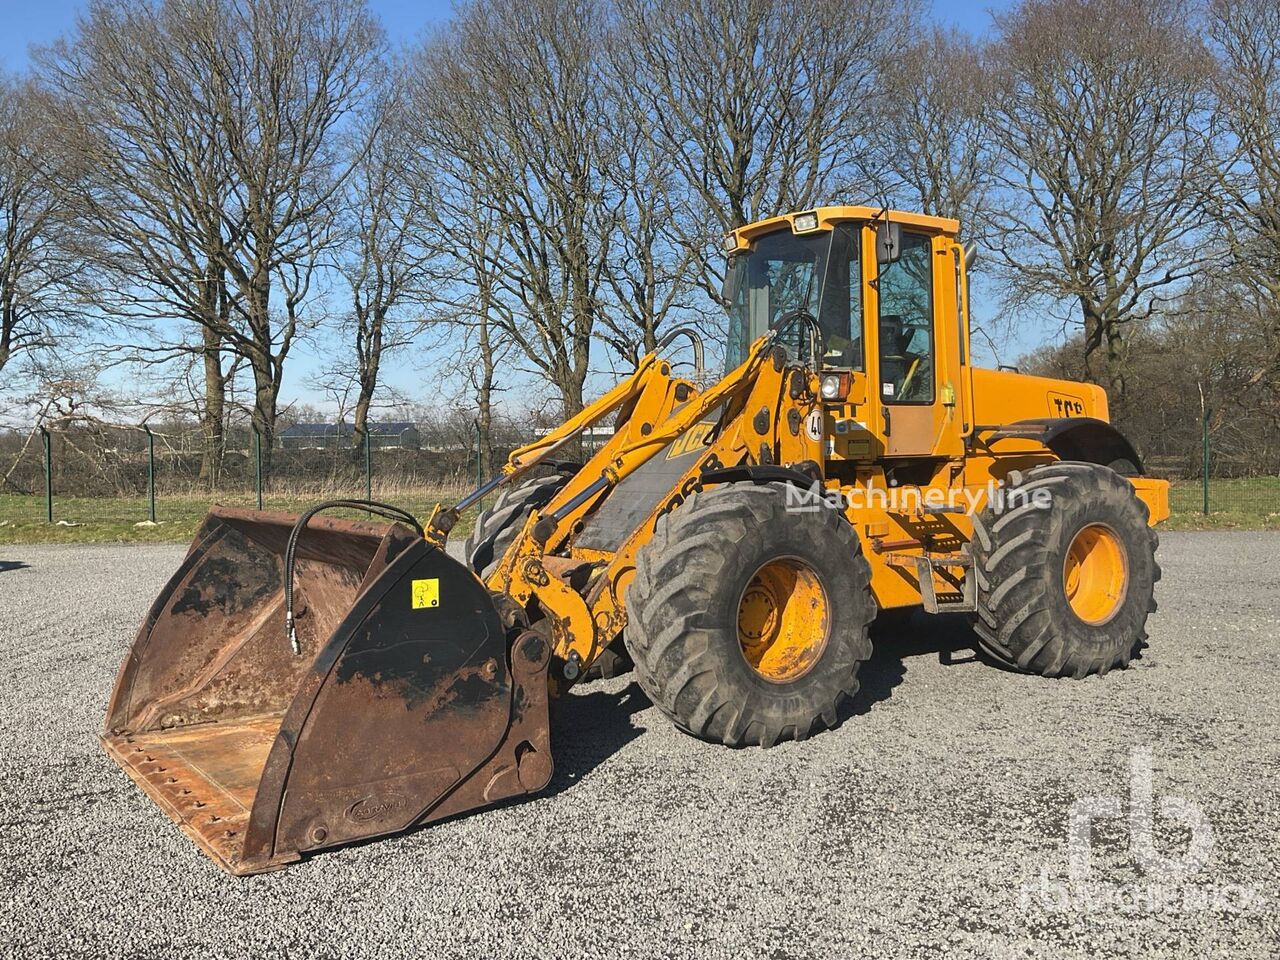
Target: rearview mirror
x,y
970,257
888,242
726,288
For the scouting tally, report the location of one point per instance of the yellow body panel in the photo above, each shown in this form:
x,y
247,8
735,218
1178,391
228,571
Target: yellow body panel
x,y
1001,396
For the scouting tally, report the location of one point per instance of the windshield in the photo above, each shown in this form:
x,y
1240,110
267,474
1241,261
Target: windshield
x,y
782,273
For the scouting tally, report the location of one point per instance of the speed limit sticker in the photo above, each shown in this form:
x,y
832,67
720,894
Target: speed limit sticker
x,y
813,425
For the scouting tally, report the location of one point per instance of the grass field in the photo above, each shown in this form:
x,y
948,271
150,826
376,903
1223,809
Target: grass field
x,y
1250,504
124,519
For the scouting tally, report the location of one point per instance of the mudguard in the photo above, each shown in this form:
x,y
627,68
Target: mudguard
x,y
1086,439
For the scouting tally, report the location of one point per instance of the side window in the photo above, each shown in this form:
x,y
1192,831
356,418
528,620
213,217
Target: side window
x,y
906,324
841,316
958,254
854,354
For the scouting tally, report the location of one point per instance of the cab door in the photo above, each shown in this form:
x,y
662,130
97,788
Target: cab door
x,y
915,366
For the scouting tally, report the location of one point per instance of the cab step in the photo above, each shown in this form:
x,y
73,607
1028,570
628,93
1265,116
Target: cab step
x,y
925,565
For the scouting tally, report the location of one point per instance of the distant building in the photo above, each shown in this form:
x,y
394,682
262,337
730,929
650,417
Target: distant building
x,y
326,436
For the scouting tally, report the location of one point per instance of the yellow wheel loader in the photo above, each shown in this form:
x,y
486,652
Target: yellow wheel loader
x,y
304,682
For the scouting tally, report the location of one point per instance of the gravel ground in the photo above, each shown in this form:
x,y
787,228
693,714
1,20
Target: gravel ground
x,y
932,823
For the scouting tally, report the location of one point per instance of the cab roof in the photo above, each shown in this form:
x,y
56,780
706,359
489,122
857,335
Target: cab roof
x,y
828,216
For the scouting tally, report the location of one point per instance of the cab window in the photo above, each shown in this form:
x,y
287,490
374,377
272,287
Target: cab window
x,y
841,315
906,324
782,273
818,273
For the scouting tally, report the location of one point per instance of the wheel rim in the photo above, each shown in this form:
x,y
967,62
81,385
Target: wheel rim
x,y
1095,574
783,620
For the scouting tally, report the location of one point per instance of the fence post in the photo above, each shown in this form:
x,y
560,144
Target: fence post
x,y
48,473
257,464
151,470
1204,461
368,465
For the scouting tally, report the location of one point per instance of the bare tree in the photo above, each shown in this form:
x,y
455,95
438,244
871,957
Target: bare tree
x,y
760,104
1102,118
484,316
286,75
385,256
39,262
464,238
651,273
214,130
512,114
1246,35
931,131
135,85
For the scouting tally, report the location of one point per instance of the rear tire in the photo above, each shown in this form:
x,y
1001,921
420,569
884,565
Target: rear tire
x,y
498,526
1064,590
706,650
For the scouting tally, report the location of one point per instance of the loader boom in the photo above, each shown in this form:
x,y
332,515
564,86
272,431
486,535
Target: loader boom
x,y
764,390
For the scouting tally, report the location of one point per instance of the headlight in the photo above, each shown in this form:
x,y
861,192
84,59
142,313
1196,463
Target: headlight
x,y
730,242
834,386
804,222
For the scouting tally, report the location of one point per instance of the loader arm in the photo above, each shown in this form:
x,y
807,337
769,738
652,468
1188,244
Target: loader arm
x,y
523,459
761,412
745,387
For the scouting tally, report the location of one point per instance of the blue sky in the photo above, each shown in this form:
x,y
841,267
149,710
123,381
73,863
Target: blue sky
x,y
24,23
28,23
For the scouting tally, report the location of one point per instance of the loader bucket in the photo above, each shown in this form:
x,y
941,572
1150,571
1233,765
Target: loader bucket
x,y
409,702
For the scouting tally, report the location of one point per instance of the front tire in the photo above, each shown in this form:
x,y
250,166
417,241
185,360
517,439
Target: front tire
x,y
1066,571
747,622
498,526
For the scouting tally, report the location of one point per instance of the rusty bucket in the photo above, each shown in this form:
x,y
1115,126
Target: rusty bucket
x,y
408,702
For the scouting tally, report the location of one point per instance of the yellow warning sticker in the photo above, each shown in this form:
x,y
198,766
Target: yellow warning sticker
x,y
426,593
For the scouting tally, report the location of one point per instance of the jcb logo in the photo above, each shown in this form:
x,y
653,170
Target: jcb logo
x,y
695,438
690,485
1065,406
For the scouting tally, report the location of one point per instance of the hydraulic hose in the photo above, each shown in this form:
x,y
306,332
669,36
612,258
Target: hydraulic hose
x,y
385,510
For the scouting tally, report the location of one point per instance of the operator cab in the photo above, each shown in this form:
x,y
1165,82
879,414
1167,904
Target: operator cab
x,y
887,291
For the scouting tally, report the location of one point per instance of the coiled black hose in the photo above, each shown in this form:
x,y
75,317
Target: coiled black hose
x,y
385,510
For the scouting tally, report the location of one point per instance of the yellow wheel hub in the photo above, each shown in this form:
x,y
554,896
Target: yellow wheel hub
x,y
1095,574
783,620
